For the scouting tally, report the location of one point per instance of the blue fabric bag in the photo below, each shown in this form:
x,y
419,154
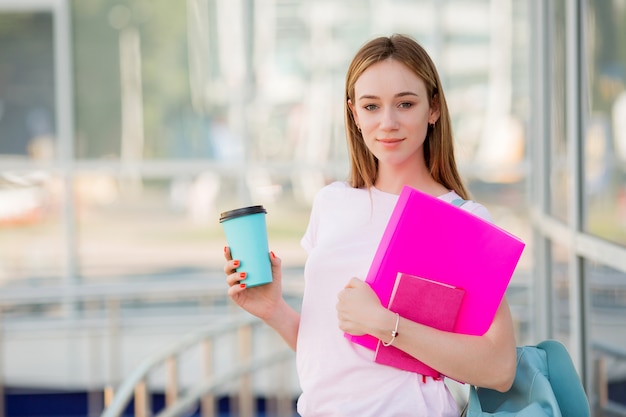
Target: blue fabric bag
x,y
546,385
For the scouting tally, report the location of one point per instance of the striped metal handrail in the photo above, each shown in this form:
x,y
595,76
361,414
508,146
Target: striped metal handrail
x,y
135,386
99,306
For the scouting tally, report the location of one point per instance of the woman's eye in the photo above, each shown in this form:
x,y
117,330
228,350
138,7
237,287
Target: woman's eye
x,y
370,107
405,105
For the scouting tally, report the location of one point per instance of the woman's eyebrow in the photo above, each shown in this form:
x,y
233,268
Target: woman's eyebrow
x,y
402,94
407,93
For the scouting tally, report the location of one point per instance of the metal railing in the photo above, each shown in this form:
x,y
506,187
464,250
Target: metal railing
x,y
114,311
201,394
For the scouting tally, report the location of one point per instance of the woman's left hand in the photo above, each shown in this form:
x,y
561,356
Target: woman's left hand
x,y
358,307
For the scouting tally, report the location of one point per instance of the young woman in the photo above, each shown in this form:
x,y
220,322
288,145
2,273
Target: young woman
x,y
399,133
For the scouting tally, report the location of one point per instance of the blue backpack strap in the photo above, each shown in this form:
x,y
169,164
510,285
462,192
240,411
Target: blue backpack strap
x,y
565,381
458,202
546,384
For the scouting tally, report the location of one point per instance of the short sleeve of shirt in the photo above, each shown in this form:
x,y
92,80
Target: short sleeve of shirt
x,y
309,240
478,210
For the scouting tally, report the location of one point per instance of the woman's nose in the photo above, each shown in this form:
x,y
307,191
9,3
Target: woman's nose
x,y
389,120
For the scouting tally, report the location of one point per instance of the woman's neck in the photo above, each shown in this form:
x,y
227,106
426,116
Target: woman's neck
x,y
420,179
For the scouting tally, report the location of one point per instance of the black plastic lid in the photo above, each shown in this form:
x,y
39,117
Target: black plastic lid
x,y
244,211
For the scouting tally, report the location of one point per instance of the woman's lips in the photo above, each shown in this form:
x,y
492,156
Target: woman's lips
x,y
390,141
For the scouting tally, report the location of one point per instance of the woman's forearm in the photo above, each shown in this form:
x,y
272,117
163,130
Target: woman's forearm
x,y
487,361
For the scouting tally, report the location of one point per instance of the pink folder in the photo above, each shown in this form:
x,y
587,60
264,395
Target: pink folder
x,y
431,238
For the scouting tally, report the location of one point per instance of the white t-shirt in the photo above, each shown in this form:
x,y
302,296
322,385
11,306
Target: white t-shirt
x,y
337,377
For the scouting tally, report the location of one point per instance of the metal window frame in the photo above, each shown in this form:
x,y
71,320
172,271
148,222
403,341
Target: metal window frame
x,y
582,247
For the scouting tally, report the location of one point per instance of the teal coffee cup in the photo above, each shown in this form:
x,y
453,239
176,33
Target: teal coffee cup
x,y
246,234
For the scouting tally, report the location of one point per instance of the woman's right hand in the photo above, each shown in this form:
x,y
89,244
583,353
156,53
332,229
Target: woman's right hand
x,y
260,301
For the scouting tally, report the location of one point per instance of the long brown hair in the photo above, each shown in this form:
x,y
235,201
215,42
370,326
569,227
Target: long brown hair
x,y
438,146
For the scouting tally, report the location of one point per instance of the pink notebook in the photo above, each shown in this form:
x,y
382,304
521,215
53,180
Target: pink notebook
x,y
423,301
431,238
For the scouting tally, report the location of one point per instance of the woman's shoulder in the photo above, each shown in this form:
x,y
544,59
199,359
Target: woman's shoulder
x,y
334,189
468,205
339,194
338,185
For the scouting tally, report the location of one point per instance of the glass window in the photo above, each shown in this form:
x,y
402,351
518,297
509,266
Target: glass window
x,y
31,229
27,97
133,98
561,294
506,205
163,228
607,292
605,134
31,200
136,227
154,81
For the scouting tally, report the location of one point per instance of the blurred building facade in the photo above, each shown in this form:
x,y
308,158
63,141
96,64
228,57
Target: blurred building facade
x,y
127,126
